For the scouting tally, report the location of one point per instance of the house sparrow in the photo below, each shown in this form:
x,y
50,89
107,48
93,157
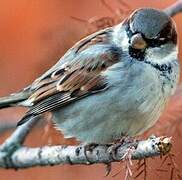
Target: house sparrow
x,y
113,83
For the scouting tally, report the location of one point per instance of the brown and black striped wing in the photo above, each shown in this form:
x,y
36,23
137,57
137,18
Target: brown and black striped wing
x,y
73,81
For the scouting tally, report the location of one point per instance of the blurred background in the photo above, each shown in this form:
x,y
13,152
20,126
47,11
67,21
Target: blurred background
x,y
34,34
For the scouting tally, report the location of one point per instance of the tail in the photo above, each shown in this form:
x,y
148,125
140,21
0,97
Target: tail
x,y
13,99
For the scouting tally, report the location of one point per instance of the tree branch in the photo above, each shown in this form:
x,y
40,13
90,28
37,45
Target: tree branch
x,y
25,157
7,126
19,135
174,9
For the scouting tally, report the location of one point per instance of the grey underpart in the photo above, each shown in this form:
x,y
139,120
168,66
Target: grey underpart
x,y
132,104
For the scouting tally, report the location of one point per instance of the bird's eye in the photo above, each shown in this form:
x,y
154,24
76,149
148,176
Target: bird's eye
x,y
156,42
161,39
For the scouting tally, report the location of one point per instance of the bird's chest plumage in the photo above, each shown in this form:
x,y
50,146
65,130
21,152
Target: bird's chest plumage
x,y
132,104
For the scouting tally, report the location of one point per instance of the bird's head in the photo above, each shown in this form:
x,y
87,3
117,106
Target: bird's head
x,y
150,33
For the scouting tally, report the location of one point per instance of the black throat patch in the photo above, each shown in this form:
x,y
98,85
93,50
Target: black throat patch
x,y
137,54
165,68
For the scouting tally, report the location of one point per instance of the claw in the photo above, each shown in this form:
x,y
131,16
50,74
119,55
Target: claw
x,y
89,148
120,142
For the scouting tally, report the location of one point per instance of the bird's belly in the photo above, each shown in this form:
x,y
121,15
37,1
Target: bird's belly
x,y
106,116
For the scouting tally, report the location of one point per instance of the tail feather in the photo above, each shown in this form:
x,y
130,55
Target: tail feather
x,y
13,99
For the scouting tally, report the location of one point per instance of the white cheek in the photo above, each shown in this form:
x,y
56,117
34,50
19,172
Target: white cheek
x,y
120,37
161,55
124,43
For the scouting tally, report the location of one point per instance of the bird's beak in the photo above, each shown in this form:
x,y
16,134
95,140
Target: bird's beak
x,y
137,42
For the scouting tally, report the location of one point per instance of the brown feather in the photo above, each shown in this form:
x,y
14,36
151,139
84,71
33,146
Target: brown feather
x,y
77,76
74,80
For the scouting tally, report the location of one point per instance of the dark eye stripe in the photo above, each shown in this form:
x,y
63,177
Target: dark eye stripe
x,y
155,42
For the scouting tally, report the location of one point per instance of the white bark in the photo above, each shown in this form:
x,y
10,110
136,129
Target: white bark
x,y
25,157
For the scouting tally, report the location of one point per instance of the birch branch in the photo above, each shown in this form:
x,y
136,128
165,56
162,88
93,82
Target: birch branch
x,y
19,135
25,157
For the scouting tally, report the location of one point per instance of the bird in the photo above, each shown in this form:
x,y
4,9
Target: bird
x,y
113,83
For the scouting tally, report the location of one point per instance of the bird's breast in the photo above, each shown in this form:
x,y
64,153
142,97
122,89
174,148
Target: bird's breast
x,y
132,104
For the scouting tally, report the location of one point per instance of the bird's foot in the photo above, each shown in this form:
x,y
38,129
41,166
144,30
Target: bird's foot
x,y
121,142
129,145
89,148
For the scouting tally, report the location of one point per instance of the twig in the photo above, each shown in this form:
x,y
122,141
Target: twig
x,y
174,8
25,157
6,126
19,135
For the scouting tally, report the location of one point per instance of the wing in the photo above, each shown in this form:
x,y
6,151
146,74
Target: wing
x,y
76,78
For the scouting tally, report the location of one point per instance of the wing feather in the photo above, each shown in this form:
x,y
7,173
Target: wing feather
x,y
75,79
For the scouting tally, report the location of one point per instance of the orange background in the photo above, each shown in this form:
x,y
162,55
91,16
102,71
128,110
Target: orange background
x,y
33,35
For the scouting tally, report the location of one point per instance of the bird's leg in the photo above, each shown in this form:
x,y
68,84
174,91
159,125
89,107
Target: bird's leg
x,y
120,142
127,155
89,148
